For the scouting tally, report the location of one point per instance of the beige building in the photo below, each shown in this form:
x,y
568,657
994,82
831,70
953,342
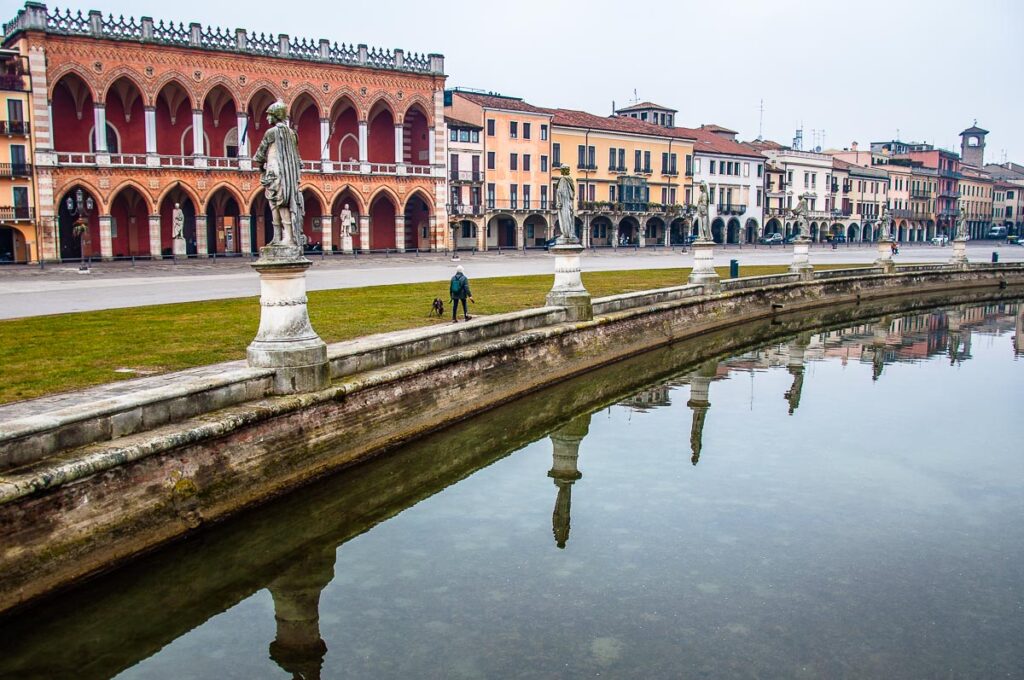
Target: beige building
x,y
976,200
465,156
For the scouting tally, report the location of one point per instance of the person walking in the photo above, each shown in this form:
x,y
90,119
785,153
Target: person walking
x,y
459,290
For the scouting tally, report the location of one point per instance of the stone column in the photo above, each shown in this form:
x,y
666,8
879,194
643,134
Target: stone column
x,y
198,146
615,235
668,234
704,266
364,233
399,145
150,115
155,242
244,235
201,237
801,257
243,136
325,150
959,257
432,146
568,290
106,237
99,114
481,236
565,443
700,382
520,235
286,340
363,146
400,233
327,233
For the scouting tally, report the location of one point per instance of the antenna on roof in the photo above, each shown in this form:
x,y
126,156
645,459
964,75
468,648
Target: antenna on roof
x,y
636,97
760,122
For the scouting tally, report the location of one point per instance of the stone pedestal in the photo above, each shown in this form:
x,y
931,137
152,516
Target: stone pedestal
x,y
802,258
568,290
180,249
346,243
959,257
704,264
885,255
286,340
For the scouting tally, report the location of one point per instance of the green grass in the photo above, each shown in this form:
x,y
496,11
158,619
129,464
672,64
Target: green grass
x,y
48,354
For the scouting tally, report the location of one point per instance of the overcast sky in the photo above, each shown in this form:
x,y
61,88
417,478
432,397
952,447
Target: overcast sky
x,y
858,69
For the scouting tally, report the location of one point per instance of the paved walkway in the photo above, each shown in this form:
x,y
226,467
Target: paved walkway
x,y
31,291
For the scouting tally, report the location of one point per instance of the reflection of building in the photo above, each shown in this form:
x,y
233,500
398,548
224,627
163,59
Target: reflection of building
x,y
1018,328
645,400
142,115
565,442
298,648
700,381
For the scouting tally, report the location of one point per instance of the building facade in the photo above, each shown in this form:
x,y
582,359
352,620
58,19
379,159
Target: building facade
x,y
465,155
977,194
141,116
18,236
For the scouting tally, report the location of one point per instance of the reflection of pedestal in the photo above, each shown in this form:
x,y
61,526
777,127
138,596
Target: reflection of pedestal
x,y
795,365
568,290
346,243
885,255
704,264
959,252
880,331
286,340
298,648
180,249
954,317
700,382
802,258
564,471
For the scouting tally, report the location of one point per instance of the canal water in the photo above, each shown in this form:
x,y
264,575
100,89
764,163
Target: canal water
x,y
834,504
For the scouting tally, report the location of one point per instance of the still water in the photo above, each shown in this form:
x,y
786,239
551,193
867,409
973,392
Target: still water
x,y
842,503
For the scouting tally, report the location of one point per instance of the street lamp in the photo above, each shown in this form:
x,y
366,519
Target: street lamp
x,y
80,207
836,214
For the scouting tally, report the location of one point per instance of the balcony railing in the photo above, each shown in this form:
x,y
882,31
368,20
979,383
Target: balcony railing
x,y
137,160
15,169
619,169
15,127
920,193
949,193
903,213
465,209
518,204
949,212
946,172
732,208
670,172
12,82
629,207
11,213
587,166
466,176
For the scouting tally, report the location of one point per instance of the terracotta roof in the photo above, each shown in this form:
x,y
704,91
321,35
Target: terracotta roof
x,y
711,142
455,122
582,119
840,164
764,145
646,105
974,130
490,101
711,127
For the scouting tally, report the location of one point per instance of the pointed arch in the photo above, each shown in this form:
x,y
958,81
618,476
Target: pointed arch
x,y
386,191
126,73
378,102
231,86
231,189
419,102
343,96
258,89
422,195
178,79
313,94
132,184
359,206
316,191
59,73
184,188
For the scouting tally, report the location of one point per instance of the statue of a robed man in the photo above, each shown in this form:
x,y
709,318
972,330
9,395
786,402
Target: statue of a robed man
x,y
565,197
704,214
277,158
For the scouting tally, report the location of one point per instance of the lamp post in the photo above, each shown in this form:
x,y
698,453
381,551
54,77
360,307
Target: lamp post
x,y
833,237
80,207
453,225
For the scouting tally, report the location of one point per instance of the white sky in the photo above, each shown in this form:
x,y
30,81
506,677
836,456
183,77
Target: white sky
x,y
858,69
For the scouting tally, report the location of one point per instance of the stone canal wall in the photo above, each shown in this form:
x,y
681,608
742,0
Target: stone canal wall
x,y
65,514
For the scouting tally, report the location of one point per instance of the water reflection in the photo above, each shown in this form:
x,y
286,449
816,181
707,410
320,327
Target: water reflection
x,y
323,614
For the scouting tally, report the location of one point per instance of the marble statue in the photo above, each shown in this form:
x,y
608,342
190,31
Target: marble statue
x,y
177,222
884,224
278,160
348,223
704,214
961,226
799,214
565,197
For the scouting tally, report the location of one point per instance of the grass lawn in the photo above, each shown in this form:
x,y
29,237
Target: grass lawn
x,y
63,352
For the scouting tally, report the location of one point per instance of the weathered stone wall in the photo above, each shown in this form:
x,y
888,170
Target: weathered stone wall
x,y
139,491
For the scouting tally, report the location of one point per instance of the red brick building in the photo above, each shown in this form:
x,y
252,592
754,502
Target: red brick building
x,y
140,115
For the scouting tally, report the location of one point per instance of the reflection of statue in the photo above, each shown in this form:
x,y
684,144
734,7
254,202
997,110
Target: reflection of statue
x,y
795,365
278,159
961,226
348,223
704,214
565,442
700,381
565,197
177,222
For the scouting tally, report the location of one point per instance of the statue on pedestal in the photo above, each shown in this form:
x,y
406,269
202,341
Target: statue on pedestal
x,y
348,223
177,222
800,213
884,222
704,214
565,197
277,158
961,227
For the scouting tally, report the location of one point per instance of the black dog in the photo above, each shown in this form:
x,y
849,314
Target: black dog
x,y
437,308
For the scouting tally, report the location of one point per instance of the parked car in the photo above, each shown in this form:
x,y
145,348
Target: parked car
x,y
940,240
771,239
997,232
550,242
839,238
689,240
789,239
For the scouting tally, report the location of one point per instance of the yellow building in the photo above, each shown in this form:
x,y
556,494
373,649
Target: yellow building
x,y
976,200
518,207
17,201
632,177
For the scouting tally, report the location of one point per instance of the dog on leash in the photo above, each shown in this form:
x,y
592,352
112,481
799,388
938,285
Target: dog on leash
x,y
436,308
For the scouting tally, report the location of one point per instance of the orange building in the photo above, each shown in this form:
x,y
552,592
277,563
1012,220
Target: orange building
x,y
140,116
17,209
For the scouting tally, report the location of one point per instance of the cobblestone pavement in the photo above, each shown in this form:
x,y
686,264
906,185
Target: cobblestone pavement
x,y
30,291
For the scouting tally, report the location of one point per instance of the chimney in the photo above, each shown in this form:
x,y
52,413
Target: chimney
x,y
853,146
